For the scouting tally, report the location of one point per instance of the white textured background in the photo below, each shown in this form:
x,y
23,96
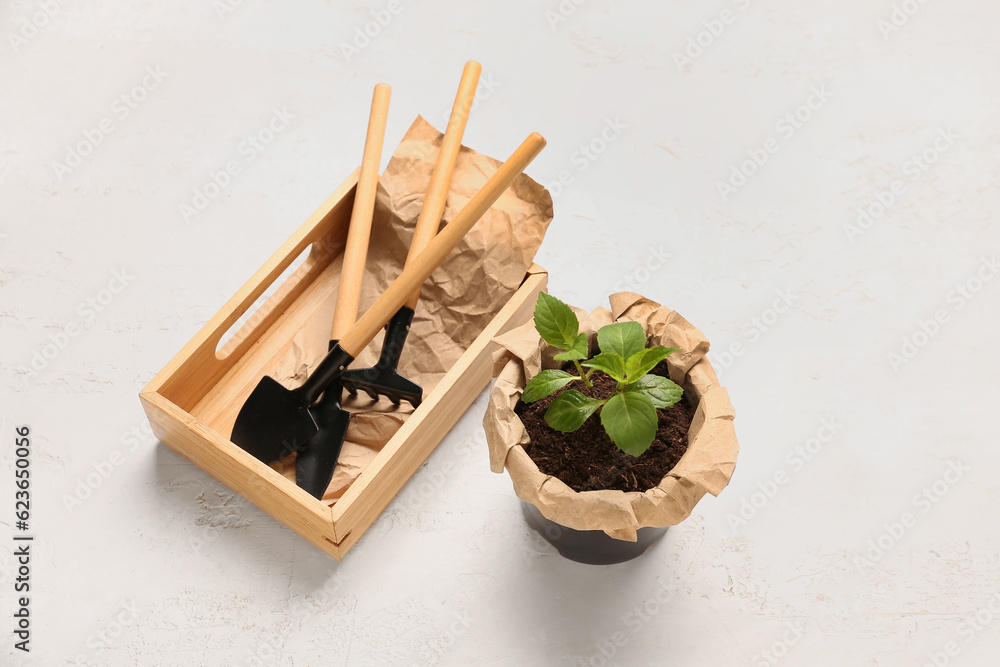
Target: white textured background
x,y
161,565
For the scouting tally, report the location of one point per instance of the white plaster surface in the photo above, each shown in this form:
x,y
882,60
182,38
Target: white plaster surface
x,y
162,565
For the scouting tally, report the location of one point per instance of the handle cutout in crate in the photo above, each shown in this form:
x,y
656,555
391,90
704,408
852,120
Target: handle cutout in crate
x,y
286,281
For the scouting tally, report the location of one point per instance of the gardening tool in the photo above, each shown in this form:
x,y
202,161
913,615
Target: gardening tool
x,y
274,418
384,378
316,461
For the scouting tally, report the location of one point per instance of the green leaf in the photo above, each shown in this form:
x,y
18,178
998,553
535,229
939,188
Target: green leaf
x,y
570,409
610,363
577,352
621,338
556,322
643,361
546,383
661,391
630,420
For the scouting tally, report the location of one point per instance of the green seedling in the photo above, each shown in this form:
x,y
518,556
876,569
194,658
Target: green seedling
x,y
629,415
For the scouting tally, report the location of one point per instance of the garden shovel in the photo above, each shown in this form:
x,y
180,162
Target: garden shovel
x,y
316,461
384,378
276,419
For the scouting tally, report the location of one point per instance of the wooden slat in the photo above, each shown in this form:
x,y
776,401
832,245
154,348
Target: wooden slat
x,y
221,403
197,367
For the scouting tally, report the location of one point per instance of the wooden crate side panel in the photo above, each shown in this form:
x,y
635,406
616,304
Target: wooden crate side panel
x,y
197,368
275,306
371,493
242,473
221,404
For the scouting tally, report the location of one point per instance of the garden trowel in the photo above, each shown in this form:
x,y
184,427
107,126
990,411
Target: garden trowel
x,y
316,461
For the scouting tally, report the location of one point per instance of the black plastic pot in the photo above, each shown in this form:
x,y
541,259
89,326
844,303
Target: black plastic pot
x,y
593,547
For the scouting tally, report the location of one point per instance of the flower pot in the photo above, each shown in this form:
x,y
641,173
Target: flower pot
x,y
593,547
610,526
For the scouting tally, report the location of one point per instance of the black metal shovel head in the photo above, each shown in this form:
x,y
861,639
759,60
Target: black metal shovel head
x,y
274,422
315,463
380,380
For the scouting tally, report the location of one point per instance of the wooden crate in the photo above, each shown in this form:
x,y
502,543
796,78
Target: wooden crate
x,y
192,403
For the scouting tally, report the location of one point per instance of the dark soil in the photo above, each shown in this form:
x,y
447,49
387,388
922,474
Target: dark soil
x,y
587,460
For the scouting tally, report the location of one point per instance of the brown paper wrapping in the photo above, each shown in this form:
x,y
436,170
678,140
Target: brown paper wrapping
x,y
706,467
457,302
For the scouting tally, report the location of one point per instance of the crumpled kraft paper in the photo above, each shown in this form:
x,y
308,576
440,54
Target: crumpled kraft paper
x,y
457,302
706,466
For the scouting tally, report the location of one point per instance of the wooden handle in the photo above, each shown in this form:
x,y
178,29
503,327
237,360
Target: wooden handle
x,y
420,269
437,191
356,248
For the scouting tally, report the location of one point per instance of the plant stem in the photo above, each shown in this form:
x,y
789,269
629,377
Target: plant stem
x,y
583,376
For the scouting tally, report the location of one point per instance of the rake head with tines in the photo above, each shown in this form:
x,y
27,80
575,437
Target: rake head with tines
x,y
383,379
